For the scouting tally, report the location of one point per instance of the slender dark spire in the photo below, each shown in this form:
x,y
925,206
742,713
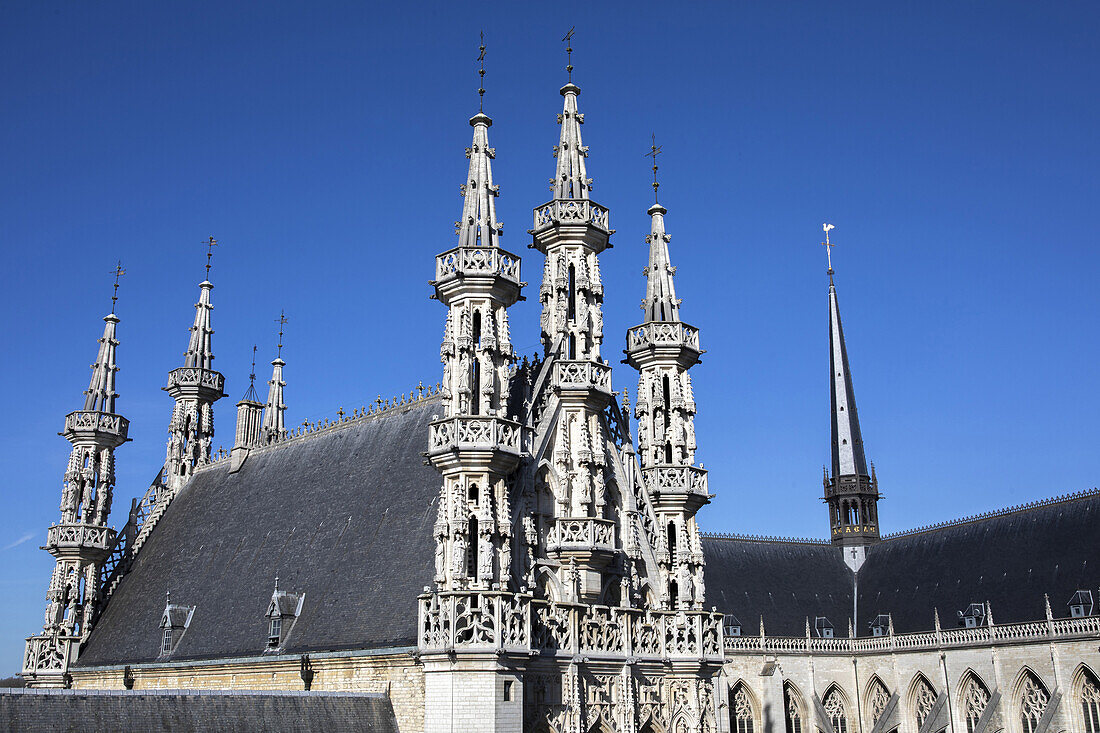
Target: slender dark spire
x,y
569,53
481,75
250,395
852,490
100,395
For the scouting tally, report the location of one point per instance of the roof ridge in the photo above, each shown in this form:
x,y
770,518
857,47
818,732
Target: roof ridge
x,y
1060,499
764,538
379,408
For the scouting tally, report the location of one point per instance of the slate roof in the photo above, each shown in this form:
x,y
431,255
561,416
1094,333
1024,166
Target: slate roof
x,y
343,515
783,581
193,711
1008,558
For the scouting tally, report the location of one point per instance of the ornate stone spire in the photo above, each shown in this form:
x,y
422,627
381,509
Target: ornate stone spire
x,y
660,295
195,387
274,411
851,491
663,349
81,540
479,225
571,180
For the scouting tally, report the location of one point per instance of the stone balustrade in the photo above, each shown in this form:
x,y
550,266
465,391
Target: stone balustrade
x,y
196,378
581,533
477,261
922,641
93,421
676,479
49,654
582,375
662,334
518,623
475,433
572,211
62,537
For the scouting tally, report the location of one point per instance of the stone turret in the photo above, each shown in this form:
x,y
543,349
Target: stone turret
x,y
249,415
82,540
572,230
851,490
663,349
195,387
274,428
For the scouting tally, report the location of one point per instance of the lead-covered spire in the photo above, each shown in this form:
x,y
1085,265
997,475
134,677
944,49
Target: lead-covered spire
x,y
571,180
660,294
479,225
851,491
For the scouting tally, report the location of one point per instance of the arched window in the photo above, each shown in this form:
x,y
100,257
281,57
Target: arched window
x,y
1033,699
471,493
571,350
922,699
673,593
1090,703
671,537
836,710
878,697
668,401
975,698
571,311
475,367
793,710
471,547
741,714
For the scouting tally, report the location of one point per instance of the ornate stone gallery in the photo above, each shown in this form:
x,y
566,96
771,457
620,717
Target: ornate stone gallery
x,y
516,548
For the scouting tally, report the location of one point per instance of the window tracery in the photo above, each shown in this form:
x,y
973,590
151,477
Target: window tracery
x,y
836,711
924,699
1033,703
878,700
975,700
1090,704
741,710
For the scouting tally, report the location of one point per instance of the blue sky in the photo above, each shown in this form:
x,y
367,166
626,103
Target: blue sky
x,y
953,145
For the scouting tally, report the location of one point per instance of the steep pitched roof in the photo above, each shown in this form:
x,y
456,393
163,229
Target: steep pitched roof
x,y
783,581
344,515
1008,558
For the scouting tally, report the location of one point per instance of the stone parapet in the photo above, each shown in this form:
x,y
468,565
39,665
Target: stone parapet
x,y
465,432
103,428
87,541
572,211
196,382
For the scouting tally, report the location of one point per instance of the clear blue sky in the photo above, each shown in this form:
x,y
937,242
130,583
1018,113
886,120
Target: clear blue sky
x,y
954,146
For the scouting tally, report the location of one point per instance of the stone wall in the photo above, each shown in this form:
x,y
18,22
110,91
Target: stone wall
x,y
396,674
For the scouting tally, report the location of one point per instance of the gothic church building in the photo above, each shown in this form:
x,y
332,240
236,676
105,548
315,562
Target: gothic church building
x,y
516,547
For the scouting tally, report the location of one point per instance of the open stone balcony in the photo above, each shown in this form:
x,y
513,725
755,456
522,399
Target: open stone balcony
x,y
104,427
465,432
196,381
662,334
585,537
676,480
87,541
49,656
463,262
518,623
572,211
582,376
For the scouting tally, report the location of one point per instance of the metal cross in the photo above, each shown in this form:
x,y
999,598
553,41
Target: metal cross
x,y
828,245
654,151
569,52
211,243
282,321
117,272
481,73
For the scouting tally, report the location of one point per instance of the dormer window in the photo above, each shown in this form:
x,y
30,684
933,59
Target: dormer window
x,y
973,616
880,625
282,611
730,625
1080,604
823,627
173,623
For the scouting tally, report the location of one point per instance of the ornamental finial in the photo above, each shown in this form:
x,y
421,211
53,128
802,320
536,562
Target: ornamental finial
x,y
117,272
282,321
210,243
252,376
569,52
481,73
828,248
654,151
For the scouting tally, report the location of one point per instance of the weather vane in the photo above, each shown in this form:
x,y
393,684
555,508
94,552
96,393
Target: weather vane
x,y
569,52
654,151
211,243
252,376
282,321
828,247
117,272
481,73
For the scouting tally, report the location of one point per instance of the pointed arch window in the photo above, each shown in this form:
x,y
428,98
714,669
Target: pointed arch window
x,y
793,710
741,713
836,710
877,700
571,312
923,700
1033,699
471,548
1090,704
975,698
